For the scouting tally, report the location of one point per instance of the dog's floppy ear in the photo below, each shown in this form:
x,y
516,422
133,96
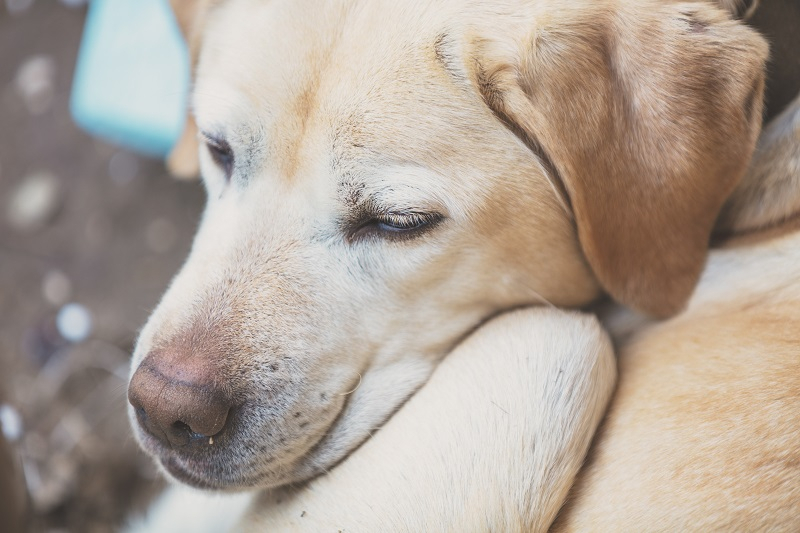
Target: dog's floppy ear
x,y
648,115
183,161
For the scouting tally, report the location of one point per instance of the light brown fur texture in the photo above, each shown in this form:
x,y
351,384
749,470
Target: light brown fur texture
x,y
703,433
541,151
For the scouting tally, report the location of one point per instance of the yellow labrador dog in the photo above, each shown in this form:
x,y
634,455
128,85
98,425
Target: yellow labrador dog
x,y
703,431
383,177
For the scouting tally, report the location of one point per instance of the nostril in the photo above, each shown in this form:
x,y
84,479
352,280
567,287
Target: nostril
x,y
181,427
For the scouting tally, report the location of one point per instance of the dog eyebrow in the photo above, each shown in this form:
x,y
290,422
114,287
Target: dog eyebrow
x,y
351,193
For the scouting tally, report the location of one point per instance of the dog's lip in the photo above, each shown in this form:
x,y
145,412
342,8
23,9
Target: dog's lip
x,y
183,467
194,465
172,465
185,472
196,469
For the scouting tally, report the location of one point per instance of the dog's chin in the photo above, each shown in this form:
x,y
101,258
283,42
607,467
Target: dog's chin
x,y
230,462
242,471
380,394
199,472
177,470
230,466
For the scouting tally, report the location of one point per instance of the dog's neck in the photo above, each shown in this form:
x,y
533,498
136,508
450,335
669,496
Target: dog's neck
x,y
768,198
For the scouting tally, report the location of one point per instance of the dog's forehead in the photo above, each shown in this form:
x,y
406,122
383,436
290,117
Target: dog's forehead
x,y
339,78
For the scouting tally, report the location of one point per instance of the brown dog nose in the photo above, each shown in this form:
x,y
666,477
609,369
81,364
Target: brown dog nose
x,y
176,399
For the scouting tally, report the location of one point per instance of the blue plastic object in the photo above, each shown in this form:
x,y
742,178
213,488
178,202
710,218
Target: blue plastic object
x,y
131,80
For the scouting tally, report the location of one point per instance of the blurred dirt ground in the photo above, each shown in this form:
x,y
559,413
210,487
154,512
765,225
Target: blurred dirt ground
x,y
81,222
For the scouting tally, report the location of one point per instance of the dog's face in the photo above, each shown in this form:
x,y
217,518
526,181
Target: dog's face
x,y
381,178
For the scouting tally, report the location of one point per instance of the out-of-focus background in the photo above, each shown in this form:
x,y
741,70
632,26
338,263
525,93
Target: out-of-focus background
x,y
90,236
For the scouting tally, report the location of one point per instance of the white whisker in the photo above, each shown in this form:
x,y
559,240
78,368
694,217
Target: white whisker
x,y
356,387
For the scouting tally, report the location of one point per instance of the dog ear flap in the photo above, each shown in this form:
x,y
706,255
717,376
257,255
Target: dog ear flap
x,y
649,119
182,160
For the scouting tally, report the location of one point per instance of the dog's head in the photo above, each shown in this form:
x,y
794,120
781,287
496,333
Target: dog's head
x,y
383,176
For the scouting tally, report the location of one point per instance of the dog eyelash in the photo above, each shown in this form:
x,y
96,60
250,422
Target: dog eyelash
x,y
396,225
403,222
221,152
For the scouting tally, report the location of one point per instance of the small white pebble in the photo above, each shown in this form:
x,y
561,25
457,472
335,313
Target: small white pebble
x,y
161,235
123,167
35,82
11,422
74,322
34,202
17,7
56,287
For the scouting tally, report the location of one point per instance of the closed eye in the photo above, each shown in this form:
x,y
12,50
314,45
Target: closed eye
x,y
221,153
394,225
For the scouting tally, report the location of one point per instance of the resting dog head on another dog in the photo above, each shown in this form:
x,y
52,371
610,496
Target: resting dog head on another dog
x,y
383,176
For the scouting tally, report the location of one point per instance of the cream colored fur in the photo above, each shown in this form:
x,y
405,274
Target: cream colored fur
x,y
492,442
180,509
564,147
